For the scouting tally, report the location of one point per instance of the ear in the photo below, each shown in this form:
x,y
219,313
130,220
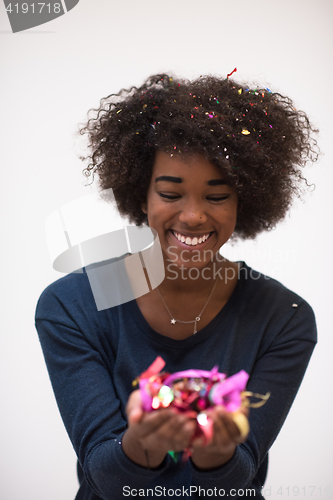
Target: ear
x,y
144,208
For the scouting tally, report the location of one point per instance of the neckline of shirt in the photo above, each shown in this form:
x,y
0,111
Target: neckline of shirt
x,y
220,318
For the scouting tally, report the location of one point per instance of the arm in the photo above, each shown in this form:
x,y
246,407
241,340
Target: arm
x,y
279,369
88,402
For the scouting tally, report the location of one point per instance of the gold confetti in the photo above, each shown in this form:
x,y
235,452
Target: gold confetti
x,y
240,91
245,131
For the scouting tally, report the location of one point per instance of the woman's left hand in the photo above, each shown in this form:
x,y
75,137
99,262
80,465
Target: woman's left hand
x,y
226,436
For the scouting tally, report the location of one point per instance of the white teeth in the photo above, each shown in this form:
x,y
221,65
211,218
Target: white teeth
x,y
189,241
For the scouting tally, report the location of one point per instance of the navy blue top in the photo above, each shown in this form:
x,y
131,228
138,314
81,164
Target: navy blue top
x,y
93,356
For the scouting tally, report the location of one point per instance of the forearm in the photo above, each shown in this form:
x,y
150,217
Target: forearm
x,y
237,472
108,469
203,460
135,451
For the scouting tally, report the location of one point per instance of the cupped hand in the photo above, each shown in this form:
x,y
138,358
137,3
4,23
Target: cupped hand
x,y
154,433
228,432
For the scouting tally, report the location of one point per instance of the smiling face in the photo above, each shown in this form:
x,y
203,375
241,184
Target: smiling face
x,y
191,207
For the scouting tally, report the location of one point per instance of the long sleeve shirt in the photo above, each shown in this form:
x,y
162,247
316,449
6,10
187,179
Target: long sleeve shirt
x,y
93,356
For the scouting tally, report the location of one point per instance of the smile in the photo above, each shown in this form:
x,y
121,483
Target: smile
x,y
191,241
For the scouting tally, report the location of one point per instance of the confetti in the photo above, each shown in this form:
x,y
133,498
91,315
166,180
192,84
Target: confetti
x,y
240,91
245,131
233,71
193,392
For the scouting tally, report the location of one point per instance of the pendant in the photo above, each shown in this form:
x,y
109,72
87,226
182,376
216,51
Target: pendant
x,y
173,321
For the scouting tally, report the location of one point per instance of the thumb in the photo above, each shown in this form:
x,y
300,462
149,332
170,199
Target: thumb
x,y
134,408
242,424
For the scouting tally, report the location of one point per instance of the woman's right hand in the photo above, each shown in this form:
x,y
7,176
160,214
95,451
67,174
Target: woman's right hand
x,y
151,435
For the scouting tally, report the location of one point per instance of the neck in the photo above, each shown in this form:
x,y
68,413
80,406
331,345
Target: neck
x,y
187,279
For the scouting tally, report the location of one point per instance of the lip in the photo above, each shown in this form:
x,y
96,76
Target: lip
x,y
191,235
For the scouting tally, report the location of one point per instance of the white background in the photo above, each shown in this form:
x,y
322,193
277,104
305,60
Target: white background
x,y
50,76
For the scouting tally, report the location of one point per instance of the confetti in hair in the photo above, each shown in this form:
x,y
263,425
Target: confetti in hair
x,y
233,71
210,115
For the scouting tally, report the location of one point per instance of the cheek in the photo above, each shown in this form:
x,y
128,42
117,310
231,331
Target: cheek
x,y
232,211
157,215
228,213
229,219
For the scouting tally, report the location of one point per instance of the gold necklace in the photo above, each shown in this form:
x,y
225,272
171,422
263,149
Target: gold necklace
x,y
173,320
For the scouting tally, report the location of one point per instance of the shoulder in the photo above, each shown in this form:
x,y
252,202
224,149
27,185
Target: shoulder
x,y
270,302
76,292
267,290
68,294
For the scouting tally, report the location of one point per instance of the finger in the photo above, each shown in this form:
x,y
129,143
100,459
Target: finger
x,y
242,424
221,429
225,429
236,425
136,415
198,442
134,408
174,434
151,422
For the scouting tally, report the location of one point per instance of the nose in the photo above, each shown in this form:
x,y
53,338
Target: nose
x,y
192,214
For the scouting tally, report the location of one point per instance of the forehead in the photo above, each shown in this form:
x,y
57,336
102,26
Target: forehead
x,y
187,166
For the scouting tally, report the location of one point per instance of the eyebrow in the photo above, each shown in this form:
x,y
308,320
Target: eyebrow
x,y
179,180
168,178
216,182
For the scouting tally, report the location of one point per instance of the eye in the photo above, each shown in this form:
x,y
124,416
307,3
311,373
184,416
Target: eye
x,y
169,196
218,198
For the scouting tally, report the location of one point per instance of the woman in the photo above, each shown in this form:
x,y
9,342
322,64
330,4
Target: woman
x,y
199,162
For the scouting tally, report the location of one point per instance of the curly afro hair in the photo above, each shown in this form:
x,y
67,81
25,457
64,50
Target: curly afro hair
x,y
255,137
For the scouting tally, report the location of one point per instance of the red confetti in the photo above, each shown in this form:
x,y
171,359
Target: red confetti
x,y
233,71
154,368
